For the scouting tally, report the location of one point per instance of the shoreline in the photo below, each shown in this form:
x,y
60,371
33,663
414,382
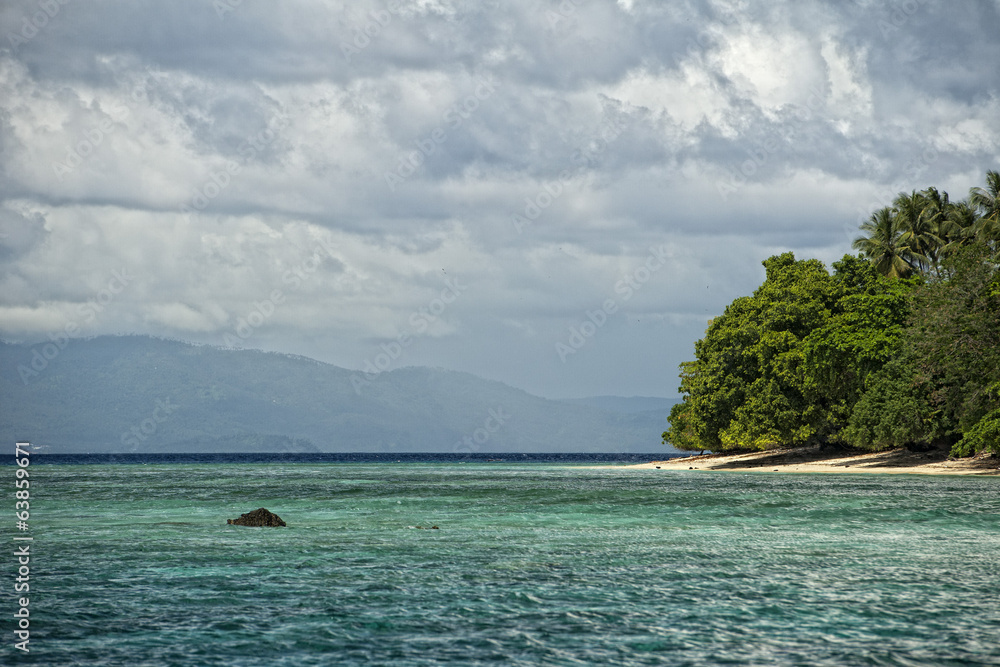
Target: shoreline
x,y
814,460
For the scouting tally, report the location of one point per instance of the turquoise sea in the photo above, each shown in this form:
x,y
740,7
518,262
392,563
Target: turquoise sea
x,y
535,563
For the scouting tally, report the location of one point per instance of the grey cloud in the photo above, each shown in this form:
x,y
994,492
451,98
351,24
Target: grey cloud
x,y
19,234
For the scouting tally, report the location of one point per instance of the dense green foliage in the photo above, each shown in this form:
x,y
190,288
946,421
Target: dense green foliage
x,y
899,346
786,365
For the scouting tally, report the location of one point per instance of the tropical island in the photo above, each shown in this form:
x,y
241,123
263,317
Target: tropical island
x,y
897,349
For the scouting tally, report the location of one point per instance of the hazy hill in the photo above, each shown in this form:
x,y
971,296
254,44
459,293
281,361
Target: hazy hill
x,y
134,393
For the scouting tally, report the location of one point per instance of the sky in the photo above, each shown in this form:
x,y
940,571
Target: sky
x,y
555,195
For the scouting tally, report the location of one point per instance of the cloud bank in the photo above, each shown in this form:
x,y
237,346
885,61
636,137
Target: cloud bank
x,y
320,176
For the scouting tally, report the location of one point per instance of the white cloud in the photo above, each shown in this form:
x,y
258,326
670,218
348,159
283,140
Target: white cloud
x,y
850,89
688,96
772,68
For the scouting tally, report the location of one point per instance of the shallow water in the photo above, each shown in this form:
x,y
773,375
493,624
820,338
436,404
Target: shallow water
x,y
532,564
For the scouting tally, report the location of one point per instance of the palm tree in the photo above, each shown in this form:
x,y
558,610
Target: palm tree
x,y
987,202
882,246
959,228
919,216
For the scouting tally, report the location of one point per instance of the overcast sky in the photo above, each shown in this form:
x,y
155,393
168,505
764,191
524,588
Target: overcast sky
x,y
554,195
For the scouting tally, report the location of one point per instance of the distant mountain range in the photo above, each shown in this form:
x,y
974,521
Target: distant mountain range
x,y
140,394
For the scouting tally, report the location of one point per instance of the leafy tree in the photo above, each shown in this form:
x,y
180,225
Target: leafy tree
x,y
955,340
944,386
684,435
893,412
865,331
983,436
784,366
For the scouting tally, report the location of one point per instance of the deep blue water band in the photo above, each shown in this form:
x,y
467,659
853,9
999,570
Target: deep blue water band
x,y
344,457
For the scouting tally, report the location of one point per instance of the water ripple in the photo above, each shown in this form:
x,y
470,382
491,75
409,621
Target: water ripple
x,y
531,565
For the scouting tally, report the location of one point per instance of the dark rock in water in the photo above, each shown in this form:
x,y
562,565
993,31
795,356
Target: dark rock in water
x,y
259,517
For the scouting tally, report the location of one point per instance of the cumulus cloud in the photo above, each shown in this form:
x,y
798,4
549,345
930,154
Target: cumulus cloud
x,y
343,162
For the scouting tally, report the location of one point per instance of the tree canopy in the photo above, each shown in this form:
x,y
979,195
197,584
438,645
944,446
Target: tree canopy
x,y
899,346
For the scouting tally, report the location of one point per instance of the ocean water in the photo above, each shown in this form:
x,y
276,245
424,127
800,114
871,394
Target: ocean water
x,y
532,563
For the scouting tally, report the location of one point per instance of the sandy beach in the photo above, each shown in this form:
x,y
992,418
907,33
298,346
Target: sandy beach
x,y
814,459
